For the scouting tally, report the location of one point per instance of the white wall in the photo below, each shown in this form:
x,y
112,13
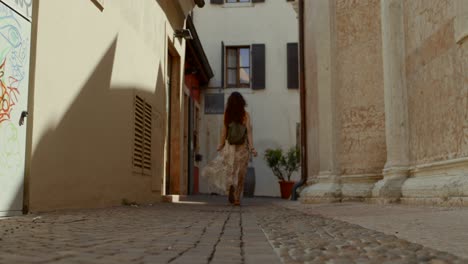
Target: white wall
x,y
275,110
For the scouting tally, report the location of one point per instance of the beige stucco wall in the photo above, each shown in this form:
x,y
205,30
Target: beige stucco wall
x,y
89,65
275,110
359,96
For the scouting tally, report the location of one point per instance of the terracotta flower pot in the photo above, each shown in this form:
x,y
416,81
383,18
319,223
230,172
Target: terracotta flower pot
x,y
286,188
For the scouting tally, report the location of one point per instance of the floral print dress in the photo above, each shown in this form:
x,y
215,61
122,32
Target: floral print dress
x,y
228,169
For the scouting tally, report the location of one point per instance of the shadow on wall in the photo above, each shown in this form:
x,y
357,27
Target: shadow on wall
x,y
86,159
14,208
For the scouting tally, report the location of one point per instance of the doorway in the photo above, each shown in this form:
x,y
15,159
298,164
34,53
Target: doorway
x,y
185,182
174,147
193,146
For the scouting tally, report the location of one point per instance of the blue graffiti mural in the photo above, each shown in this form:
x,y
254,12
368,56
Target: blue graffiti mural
x,y
13,61
14,67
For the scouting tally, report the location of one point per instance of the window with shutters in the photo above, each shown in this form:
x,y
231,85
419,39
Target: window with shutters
x,y
142,136
238,67
293,65
258,66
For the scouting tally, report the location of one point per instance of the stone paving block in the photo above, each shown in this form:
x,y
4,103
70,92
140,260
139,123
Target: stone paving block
x,y
227,260
191,259
150,259
17,258
224,261
259,252
270,259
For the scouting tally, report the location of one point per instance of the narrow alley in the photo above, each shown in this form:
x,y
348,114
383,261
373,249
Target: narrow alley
x,y
203,229
233,131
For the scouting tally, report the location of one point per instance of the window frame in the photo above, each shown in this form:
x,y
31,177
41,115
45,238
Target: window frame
x,y
237,1
238,67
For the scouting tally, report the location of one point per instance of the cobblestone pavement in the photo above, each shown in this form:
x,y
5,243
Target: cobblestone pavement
x,y
202,230
442,228
302,238
163,233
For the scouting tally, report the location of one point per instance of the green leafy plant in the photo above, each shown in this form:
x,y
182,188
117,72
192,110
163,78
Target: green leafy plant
x,y
283,164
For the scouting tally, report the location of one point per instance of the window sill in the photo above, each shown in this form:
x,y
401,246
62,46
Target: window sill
x,y
238,87
242,90
237,5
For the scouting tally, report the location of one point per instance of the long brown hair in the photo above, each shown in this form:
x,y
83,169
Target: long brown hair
x,y
235,109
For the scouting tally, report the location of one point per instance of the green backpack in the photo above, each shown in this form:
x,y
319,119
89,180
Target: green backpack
x,y
236,133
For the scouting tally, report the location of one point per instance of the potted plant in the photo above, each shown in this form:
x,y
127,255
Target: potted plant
x,y
283,165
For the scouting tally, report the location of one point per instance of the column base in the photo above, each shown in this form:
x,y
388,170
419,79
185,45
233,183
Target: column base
x,y
440,183
434,201
358,187
326,189
388,190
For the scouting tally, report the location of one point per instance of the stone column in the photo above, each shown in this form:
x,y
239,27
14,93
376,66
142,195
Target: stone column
x,y
396,113
326,185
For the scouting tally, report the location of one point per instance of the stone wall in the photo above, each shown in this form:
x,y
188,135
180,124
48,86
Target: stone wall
x,y
400,102
437,83
436,75
361,117
349,91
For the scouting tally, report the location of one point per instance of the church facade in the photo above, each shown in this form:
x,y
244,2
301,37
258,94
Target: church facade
x,y
387,100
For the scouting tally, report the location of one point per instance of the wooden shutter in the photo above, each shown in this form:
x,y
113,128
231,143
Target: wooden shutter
x,y
293,65
139,131
258,66
142,136
223,69
258,1
148,124
217,2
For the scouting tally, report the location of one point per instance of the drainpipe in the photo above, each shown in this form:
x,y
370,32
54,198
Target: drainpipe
x,y
302,93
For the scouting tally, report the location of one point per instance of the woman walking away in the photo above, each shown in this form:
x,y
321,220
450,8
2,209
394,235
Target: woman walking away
x,y
235,146
237,142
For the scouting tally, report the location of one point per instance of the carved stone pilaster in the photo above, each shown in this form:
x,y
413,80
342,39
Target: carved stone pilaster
x,y
396,113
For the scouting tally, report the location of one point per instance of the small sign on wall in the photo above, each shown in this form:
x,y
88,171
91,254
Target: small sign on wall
x,y
214,104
